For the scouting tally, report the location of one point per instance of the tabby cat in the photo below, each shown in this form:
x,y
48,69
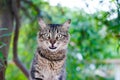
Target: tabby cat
x,y
50,57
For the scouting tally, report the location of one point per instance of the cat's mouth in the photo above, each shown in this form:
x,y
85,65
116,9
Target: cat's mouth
x,y
52,47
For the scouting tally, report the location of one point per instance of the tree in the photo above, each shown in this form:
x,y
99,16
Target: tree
x,y
6,21
9,14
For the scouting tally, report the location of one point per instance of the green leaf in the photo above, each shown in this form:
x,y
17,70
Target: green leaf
x,y
1,55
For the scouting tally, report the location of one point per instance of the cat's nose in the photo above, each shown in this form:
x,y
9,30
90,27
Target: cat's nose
x,y
52,42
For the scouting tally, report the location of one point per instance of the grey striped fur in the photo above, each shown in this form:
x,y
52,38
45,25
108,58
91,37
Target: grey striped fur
x,y
50,57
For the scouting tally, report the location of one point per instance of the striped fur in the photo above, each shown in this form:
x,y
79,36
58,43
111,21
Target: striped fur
x,y
50,56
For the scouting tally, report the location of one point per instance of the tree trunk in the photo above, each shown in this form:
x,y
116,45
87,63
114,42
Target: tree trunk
x,y
6,21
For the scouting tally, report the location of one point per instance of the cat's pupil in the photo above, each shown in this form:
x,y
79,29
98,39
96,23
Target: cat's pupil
x,y
48,37
57,38
59,35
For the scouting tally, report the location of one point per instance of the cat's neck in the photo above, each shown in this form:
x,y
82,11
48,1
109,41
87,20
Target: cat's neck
x,y
52,56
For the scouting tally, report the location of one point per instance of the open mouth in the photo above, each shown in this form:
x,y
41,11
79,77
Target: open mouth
x,y
52,47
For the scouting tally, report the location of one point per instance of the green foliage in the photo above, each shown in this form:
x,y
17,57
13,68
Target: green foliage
x,y
1,56
2,44
1,60
93,38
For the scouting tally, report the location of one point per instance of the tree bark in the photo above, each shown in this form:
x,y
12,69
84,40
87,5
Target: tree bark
x,y
6,21
19,64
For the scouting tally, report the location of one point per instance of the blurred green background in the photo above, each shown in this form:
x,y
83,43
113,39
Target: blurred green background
x,y
95,38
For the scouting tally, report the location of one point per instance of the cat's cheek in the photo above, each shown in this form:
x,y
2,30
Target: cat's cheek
x,y
61,46
65,44
44,44
57,43
47,44
39,40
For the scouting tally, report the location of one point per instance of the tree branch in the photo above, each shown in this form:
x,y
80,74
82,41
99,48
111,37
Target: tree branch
x,y
16,60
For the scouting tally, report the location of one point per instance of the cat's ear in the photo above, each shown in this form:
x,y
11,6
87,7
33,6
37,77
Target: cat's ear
x,y
41,23
66,25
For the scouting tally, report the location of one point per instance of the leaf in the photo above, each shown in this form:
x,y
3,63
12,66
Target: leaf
x,y
1,56
5,35
2,44
3,29
1,61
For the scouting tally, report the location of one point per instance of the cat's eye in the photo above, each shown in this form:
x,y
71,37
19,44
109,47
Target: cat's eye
x,y
46,36
59,37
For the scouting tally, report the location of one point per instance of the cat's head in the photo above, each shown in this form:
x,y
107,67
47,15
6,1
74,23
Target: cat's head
x,y
53,37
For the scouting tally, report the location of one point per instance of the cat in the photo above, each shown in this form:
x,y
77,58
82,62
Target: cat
x,y
50,57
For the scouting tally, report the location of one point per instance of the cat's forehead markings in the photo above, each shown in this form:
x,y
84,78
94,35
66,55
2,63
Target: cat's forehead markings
x,y
54,25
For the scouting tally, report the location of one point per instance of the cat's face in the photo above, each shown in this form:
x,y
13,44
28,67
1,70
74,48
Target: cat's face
x,y
53,37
